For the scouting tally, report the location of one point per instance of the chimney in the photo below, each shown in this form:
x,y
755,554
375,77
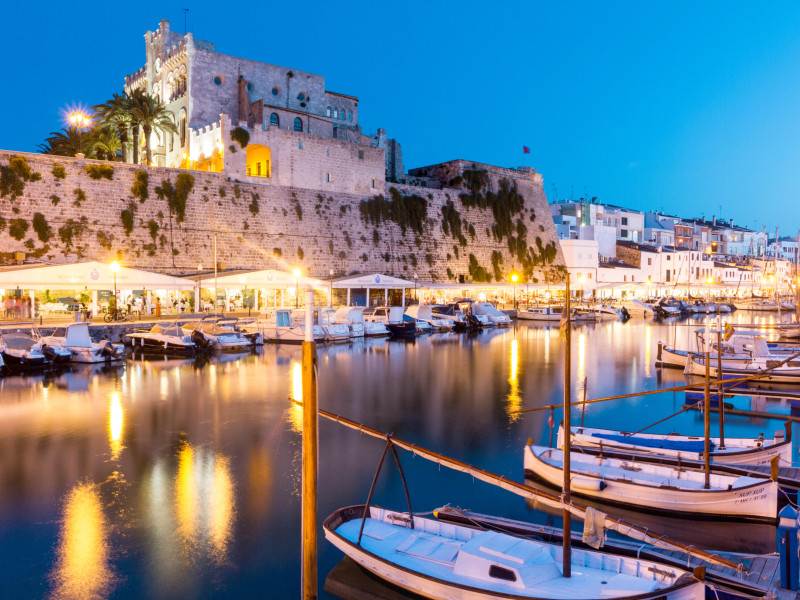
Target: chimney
x,y
714,220
730,222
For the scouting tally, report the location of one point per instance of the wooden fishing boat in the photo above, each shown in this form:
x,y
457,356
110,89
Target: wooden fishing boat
x,y
657,488
541,313
775,369
450,561
736,451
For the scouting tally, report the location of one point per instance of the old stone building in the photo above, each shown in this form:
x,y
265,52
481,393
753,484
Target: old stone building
x,y
299,133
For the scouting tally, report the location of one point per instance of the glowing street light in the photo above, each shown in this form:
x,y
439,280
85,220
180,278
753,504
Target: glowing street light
x,y
114,268
514,279
297,288
330,295
80,122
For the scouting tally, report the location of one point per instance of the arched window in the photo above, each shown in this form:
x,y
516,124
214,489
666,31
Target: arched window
x,y
298,124
274,120
335,113
349,115
328,111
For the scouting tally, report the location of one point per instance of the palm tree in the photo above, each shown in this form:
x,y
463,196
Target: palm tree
x,y
67,142
116,112
149,113
105,142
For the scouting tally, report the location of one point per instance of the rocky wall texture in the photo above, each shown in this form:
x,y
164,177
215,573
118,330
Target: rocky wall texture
x,y
63,210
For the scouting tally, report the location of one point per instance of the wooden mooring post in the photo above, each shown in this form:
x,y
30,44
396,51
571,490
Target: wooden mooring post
x,y
310,455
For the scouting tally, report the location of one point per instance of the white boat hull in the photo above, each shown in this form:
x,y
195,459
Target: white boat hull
x,y
656,488
448,572
786,373
738,451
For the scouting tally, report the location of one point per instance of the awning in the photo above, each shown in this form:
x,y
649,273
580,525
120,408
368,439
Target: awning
x,y
374,281
266,279
90,275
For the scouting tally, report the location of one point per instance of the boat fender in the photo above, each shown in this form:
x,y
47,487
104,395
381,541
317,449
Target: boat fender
x,y
588,485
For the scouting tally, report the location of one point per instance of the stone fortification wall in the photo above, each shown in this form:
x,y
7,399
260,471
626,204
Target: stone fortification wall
x,y
61,210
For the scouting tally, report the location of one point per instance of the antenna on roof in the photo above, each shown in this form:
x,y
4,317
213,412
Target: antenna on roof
x,y
185,13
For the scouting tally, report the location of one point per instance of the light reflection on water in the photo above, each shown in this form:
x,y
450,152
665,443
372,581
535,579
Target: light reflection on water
x,y
184,476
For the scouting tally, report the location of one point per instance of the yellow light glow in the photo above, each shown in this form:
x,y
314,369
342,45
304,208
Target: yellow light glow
x,y
482,297
83,569
296,410
514,278
222,510
514,398
186,501
647,351
115,423
114,266
297,273
710,280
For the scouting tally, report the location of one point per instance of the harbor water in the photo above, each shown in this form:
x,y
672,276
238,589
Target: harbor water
x,y
181,478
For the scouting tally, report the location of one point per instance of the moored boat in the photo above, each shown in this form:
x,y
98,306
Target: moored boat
x,y
163,339
749,451
75,338
656,488
392,318
450,561
541,313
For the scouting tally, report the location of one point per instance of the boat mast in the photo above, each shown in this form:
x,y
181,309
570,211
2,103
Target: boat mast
x,y
707,410
721,407
567,551
797,281
775,271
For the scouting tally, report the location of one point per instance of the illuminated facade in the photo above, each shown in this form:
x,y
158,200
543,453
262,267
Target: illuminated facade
x,y
300,134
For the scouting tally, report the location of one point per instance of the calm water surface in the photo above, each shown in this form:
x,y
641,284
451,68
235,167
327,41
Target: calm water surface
x,y
172,479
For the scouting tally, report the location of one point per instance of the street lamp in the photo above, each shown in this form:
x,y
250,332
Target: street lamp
x,y
80,122
297,288
415,289
114,268
709,281
580,285
330,295
514,279
200,288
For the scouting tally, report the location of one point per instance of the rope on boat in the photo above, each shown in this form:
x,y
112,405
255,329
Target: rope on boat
x,y
613,523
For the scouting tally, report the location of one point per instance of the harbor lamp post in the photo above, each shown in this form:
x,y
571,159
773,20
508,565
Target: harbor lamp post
x,y
114,268
514,279
199,303
416,298
80,122
330,295
709,281
297,288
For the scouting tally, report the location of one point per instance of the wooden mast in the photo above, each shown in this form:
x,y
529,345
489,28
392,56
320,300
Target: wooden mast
x,y
567,561
707,411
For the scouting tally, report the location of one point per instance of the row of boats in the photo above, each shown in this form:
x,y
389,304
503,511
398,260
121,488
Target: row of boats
x,y
458,554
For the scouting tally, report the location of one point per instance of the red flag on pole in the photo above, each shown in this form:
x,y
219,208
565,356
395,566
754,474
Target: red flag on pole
x,y
526,150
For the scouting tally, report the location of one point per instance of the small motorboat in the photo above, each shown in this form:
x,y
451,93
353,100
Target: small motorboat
x,y
76,339
325,318
353,317
22,348
445,560
541,313
163,339
208,334
424,313
277,327
496,317
392,318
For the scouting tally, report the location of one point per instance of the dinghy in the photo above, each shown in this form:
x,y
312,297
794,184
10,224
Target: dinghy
x,y
75,338
657,488
737,451
450,561
162,340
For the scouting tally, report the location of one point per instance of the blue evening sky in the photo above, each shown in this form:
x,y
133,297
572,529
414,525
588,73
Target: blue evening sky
x,y
689,107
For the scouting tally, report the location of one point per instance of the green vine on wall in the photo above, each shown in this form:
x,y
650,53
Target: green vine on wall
x,y
140,189
253,206
126,216
14,175
408,212
42,229
72,230
59,172
80,196
153,227
241,136
17,228
177,195
100,171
